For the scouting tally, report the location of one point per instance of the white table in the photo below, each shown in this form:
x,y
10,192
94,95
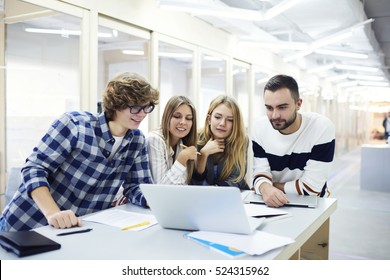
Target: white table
x,y
309,227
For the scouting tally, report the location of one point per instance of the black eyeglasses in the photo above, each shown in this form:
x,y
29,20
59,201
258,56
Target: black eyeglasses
x,y
136,108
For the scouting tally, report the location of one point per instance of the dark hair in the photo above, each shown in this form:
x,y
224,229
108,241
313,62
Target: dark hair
x,y
127,89
283,81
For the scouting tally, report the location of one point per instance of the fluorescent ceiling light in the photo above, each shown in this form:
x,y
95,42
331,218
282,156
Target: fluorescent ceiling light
x,y
236,13
318,44
330,39
341,53
373,83
175,55
212,58
339,36
366,77
63,32
196,8
357,68
133,52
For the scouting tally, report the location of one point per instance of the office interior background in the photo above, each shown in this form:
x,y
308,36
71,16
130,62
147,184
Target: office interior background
x,y
57,56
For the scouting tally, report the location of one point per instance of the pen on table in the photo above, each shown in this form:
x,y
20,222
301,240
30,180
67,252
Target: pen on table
x,y
136,225
74,232
184,146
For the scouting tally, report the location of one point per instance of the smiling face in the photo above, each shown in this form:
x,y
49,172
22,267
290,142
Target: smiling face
x,y
282,110
181,123
125,120
221,122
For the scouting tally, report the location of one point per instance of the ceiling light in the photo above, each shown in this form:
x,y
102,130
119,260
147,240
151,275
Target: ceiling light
x,y
330,39
357,68
373,83
63,32
236,13
212,58
366,77
133,52
174,55
318,44
339,36
342,53
228,12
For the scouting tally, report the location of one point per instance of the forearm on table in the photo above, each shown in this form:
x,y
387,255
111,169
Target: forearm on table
x,y
45,201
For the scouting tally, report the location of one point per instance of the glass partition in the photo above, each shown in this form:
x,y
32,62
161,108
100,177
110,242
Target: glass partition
x,y
175,72
212,84
241,89
42,78
258,109
121,51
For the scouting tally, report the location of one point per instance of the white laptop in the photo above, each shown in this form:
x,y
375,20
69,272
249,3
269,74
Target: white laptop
x,y
206,208
296,200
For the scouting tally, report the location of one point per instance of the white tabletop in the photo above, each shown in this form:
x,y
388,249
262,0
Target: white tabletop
x,y
111,243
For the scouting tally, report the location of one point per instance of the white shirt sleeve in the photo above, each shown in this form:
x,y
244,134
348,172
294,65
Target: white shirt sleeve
x,y
163,170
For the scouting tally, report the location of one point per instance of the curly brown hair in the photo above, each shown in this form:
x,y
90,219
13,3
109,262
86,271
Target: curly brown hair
x,y
127,89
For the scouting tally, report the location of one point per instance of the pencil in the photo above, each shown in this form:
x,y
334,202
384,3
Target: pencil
x,y
136,225
184,146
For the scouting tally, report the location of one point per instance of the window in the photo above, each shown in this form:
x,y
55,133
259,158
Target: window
x,y
212,84
42,79
175,72
121,48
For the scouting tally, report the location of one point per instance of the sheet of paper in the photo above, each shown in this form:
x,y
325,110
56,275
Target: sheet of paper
x,y
256,243
123,219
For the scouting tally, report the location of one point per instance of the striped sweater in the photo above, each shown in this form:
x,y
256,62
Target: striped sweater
x,y
302,160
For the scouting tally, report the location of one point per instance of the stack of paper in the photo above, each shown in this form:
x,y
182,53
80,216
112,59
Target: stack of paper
x,y
256,243
225,250
123,219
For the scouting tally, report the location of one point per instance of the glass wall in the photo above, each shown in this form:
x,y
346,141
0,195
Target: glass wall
x,y
175,72
241,89
121,48
42,79
258,108
212,83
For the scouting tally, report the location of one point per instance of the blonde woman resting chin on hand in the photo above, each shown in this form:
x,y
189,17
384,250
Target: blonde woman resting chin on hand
x,y
223,146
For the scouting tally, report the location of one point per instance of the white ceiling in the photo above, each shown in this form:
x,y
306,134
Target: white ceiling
x,y
306,24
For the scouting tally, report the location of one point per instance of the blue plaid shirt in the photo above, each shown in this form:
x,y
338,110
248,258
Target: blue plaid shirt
x,y
72,161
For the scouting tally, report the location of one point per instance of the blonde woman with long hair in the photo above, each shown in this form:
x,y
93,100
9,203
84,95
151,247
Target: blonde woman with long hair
x,y
172,147
223,146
